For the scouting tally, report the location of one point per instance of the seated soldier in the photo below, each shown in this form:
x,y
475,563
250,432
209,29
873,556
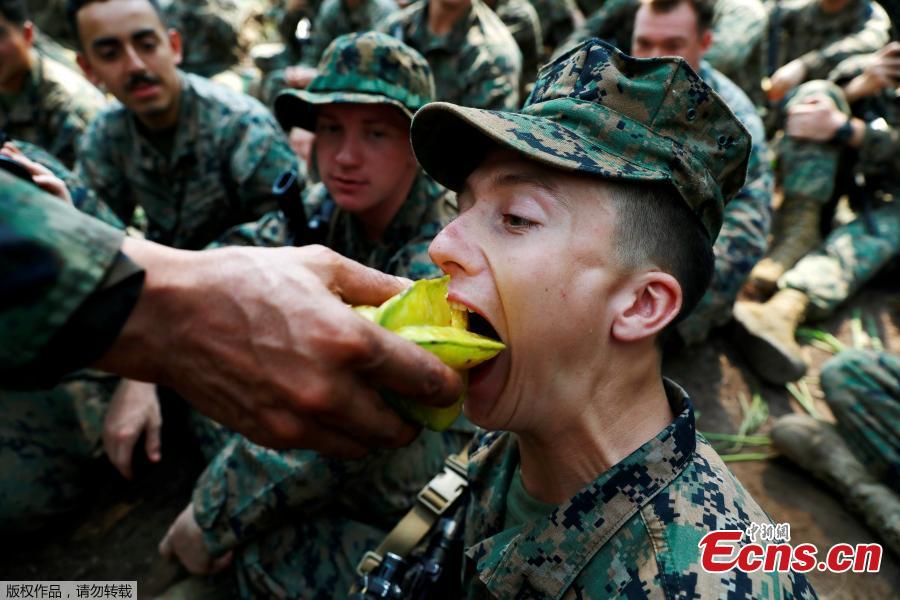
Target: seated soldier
x,y
41,100
376,206
473,56
859,459
50,438
585,230
824,135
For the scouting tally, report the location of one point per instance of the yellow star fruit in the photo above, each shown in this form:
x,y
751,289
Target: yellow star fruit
x,y
422,314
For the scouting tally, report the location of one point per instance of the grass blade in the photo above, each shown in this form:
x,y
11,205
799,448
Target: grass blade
x,y
747,456
810,335
802,395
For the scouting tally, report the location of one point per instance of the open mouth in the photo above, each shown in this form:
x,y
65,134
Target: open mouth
x,y
481,326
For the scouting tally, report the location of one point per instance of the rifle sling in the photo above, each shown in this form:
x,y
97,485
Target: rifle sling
x,y
432,501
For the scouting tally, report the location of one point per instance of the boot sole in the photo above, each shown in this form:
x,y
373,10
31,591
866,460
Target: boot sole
x,y
771,361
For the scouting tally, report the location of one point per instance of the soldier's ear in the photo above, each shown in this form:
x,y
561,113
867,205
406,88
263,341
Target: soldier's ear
x,y
706,40
644,305
86,68
28,32
175,45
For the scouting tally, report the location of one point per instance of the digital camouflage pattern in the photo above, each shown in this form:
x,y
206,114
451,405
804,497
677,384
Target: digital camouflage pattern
x,y
822,40
402,250
522,21
631,533
862,388
558,19
335,18
748,218
215,34
300,521
360,68
598,111
53,108
83,197
227,152
476,64
48,440
738,27
852,254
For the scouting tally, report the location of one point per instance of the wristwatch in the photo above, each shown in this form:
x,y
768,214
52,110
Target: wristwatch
x,y
843,133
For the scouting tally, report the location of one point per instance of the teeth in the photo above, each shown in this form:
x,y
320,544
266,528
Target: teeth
x,y
459,306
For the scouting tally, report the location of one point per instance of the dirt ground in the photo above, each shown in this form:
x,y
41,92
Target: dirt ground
x,y
114,537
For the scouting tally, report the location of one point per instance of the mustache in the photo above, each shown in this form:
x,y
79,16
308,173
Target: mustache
x,y
141,79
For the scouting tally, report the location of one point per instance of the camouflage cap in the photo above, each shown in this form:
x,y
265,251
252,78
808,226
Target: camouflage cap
x,y
360,68
597,110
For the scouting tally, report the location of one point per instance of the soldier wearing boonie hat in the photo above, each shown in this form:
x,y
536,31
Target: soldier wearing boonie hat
x,y
586,225
363,153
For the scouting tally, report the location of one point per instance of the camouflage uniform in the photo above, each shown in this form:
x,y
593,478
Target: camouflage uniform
x,y
852,254
862,388
335,18
748,218
402,250
476,64
739,27
822,40
49,438
632,532
227,153
523,23
338,512
53,108
558,20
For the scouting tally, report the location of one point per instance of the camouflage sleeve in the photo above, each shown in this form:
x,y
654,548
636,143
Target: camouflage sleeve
x,y
247,490
494,79
524,24
874,33
260,155
52,258
739,26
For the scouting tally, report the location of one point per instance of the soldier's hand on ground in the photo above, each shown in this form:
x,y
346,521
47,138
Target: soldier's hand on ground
x,y
42,176
816,119
184,541
299,77
262,340
134,409
785,79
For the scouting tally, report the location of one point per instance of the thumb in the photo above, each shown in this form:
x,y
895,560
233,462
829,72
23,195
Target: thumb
x,y
358,284
153,441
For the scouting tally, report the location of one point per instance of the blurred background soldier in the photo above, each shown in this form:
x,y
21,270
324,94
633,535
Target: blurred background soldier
x,y
41,101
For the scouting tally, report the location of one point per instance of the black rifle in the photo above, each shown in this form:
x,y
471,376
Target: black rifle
x,y
303,231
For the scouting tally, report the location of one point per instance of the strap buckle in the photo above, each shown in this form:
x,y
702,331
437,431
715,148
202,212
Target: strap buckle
x,y
445,487
368,563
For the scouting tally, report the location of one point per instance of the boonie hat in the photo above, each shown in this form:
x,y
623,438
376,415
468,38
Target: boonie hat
x,y
360,68
599,111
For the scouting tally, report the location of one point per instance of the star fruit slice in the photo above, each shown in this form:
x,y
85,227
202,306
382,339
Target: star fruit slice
x,y
422,314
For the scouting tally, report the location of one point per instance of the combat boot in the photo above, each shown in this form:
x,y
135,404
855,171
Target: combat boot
x,y
797,235
766,331
818,447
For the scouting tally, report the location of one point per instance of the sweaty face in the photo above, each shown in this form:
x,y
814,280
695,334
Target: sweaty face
x,y
15,43
531,254
127,50
364,157
672,33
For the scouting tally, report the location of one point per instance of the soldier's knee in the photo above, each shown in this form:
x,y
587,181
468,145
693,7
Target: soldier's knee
x,y
819,87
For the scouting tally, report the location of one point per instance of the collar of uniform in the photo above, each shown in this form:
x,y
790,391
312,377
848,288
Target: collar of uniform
x,y
452,41
548,555
186,129
402,227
